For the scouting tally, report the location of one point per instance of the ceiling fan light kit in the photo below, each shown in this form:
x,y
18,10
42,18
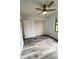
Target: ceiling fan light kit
x,y
44,13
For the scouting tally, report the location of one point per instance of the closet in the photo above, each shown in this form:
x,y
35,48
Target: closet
x,y
33,28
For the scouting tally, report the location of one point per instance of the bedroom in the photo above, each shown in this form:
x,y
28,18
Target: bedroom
x,y
39,32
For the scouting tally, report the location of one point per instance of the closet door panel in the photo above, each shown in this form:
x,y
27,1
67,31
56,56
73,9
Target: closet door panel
x,y
39,27
27,28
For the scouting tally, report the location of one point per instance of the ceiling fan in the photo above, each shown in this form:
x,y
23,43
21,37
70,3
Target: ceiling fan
x,y
44,11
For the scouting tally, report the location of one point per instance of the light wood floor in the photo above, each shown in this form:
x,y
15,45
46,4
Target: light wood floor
x,y
41,47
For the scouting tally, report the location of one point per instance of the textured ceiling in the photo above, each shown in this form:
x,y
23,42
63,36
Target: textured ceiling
x,y
27,7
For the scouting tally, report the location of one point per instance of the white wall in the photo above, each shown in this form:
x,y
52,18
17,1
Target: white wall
x,y
21,38
49,27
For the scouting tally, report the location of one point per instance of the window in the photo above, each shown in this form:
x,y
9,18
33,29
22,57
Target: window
x,y
56,24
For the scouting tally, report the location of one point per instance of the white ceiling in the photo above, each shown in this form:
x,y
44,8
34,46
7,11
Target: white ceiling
x,y
27,7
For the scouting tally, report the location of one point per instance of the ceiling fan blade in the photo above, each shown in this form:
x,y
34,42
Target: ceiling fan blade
x,y
38,9
50,3
51,10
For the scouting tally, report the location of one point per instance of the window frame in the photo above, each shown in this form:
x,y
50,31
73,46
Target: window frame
x,y
56,21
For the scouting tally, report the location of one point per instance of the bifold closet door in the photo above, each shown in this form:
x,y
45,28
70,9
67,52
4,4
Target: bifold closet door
x,y
33,28
27,28
39,27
